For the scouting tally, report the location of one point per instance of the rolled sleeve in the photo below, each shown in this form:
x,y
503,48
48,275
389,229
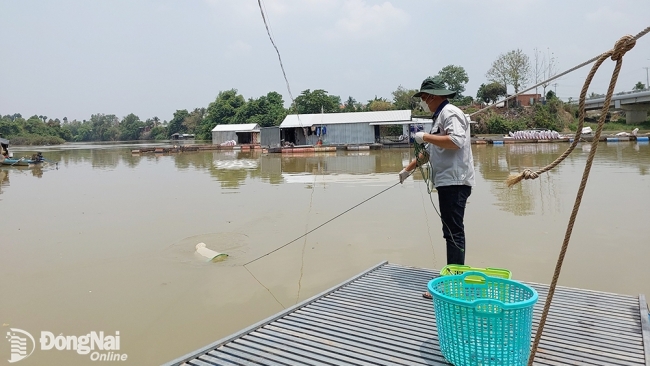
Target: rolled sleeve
x,y
455,128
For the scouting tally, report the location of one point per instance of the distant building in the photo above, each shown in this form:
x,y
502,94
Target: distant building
x,y
339,128
182,136
247,133
527,100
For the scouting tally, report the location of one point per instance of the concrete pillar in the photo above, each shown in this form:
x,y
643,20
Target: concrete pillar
x,y
635,113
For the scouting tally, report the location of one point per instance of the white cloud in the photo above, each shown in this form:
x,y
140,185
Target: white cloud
x,y
362,21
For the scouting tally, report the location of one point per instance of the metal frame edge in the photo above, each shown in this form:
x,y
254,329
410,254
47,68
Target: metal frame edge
x,y
645,327
260,324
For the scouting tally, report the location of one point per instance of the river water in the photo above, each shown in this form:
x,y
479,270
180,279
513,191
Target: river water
x,y
106,241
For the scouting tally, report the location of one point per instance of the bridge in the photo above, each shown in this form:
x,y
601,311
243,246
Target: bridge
x,y
635,104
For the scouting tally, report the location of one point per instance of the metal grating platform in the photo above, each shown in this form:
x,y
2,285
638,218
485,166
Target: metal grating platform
x,y
379,318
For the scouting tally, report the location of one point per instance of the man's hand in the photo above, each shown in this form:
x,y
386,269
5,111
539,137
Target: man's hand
x,y
419,137
423,158
403,175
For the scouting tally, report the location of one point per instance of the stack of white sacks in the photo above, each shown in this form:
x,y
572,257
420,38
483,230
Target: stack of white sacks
x,y
535,135
229,143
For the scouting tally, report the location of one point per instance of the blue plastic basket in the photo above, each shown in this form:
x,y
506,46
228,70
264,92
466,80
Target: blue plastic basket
x,y
485,323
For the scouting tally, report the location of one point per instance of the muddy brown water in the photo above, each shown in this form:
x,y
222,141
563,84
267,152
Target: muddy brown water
x,y
106,241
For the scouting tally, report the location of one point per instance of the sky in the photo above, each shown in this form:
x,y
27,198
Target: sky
x,y
75,58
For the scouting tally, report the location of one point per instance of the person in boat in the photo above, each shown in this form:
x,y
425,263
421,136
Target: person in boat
x,y
4,146
37,157
452,164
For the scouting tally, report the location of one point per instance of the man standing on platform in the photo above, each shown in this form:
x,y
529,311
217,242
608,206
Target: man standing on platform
x,y
452,165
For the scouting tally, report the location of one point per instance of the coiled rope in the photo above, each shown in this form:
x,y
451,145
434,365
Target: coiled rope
x,y
623,45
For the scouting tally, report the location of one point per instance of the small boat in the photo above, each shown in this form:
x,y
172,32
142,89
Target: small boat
x,y
6,158
22,161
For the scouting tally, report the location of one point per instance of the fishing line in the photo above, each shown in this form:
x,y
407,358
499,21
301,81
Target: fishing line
x,y
267,289
323,224
304,244
426,218
307,233
421,153
293,102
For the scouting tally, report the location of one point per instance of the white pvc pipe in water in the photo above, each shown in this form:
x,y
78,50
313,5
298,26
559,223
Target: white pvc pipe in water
x,y
209,253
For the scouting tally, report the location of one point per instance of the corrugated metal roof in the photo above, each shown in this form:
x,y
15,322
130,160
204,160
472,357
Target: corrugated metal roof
x,y
307,120
394,123
244,127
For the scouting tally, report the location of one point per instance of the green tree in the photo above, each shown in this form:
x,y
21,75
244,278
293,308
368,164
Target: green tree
x,y
72,131
266,110
35,126
222,111
455,77
192,122
639,86
276,111
159,133
130,128
512,68
350,105
104,127
225,107
550,95
491,93
498,73
403,98
480,94
519,69
318,101
176,123
545,116
379,104
9,126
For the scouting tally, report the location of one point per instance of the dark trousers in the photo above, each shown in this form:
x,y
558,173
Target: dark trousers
x,y
452,201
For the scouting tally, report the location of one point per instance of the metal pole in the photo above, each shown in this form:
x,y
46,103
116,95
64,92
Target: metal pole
x,y
647,81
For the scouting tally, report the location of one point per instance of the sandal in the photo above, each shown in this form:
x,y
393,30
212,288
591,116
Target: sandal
x,y
427,295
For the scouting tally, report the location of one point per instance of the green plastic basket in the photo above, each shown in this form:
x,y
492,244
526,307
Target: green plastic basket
x,y
456,269
486,323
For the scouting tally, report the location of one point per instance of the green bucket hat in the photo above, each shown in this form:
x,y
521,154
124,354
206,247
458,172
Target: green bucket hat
x,y
434,86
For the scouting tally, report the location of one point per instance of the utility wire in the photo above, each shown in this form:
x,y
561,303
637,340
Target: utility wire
x,y
266,25
633,39
268,31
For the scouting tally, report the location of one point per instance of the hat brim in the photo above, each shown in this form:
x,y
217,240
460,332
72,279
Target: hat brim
x,y
441,92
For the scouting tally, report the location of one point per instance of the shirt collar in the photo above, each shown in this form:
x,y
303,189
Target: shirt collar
x,y
439,109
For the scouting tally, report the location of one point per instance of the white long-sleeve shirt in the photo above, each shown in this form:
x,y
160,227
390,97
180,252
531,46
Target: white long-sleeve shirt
x,y
450,166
